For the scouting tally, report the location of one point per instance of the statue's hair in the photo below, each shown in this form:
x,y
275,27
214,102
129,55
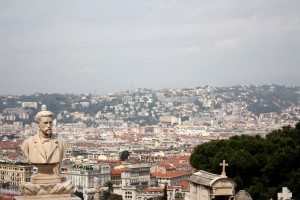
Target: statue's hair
x,y
43,113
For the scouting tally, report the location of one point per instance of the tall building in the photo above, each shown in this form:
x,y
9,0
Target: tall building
x,y
13,175
134,178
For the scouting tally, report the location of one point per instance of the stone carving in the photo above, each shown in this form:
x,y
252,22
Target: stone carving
x,y
223,164
243,195
205,195
285,195
44,147
97,190
30,189
45,150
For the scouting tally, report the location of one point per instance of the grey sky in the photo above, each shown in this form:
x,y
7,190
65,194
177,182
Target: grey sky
x,y
77,46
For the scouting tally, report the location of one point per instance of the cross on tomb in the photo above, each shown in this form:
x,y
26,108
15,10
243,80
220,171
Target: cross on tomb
x,y
285,195
223,164
97,190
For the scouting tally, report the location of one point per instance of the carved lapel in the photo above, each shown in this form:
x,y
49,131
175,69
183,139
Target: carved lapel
x,y
53,146
38,146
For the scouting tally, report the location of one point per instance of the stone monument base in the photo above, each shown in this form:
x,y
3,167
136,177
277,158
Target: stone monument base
x,y
50,197
46,174
30,189
42,179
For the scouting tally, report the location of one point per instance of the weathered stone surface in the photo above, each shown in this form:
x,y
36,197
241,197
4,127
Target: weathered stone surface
x,y
50,197
45,175
205,185
30,189
45,150
243,195
285,195
44,147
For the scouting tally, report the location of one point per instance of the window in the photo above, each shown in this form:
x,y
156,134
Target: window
x,y
128,195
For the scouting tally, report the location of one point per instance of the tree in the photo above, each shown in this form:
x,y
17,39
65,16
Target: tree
x,y
124,155
79,194
261,166
112,196
165,196
109,195
109,184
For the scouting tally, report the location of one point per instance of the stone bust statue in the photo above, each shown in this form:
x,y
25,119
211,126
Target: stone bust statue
x,y
45,150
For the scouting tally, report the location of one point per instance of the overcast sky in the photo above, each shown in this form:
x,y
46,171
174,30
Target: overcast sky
x,y
100,46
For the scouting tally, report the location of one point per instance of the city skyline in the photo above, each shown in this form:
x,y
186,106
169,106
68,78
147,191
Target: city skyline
x,y
109,46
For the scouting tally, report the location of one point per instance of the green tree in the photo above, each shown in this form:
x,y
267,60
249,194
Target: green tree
x,y
165,195
79,194
109,195
112,196
109,184
262,166
124,155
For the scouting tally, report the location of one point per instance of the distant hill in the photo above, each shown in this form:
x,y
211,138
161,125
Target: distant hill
x,y
147,105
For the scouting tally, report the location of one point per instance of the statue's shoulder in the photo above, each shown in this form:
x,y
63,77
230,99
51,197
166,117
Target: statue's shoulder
x,y
27,142
57,137
30,138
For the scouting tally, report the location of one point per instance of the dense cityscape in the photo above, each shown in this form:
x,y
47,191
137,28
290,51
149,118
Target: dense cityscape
x,y
141,139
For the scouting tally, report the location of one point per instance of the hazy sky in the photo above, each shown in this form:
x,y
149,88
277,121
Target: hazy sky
x,y
100,46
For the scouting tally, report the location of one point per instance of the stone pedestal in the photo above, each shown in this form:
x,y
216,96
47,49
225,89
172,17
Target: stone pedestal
x,y
57,191
45,150
31,189
50,197
46,174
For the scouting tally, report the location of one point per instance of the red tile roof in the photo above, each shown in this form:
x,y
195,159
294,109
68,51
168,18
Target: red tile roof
x,y
126,169
12,155
152,189
184,184
180,158
168,166
9,145
155,174
115,172
174,174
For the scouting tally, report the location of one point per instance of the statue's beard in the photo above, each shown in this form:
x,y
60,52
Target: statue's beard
x,y
47,133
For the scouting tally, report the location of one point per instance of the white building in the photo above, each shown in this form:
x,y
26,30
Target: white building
x,y
82,175
29,104
208,186
134,178
13,175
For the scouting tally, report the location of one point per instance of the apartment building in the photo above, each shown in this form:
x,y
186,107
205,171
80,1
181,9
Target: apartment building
x,y
13,175
82,175
115,175
136,175
134,178
173,178
170,119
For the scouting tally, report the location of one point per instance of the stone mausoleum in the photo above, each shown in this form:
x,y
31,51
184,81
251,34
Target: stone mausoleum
x,y
208,186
